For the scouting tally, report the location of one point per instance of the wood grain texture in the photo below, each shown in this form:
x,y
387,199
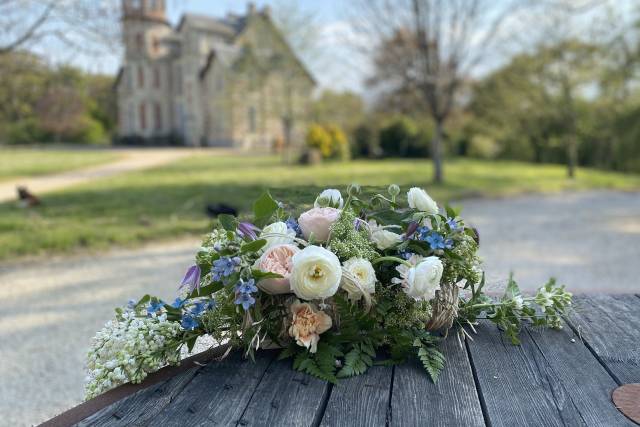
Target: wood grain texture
x,y
218,394
286,397
452,401
547,380
141,407
362,400
610,326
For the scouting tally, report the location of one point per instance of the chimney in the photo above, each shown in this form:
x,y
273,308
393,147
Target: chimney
x,y
266,11
251,8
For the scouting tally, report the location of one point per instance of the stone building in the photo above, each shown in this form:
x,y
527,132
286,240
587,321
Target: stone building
x,y
208,81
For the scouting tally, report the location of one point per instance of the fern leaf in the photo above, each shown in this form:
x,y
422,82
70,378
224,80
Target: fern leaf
x,y
432,360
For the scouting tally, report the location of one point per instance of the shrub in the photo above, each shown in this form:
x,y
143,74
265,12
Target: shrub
x,y
483,147
23,132
330,140
403,137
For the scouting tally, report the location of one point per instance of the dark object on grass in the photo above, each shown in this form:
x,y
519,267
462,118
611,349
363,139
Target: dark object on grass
x,y
27,198
213,210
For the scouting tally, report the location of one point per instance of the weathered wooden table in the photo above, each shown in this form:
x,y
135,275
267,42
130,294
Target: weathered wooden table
x,y
555,378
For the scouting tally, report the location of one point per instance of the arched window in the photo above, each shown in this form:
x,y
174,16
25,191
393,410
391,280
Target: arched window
x,y
157,112
140,76
252,119
156,77
139,42
143,116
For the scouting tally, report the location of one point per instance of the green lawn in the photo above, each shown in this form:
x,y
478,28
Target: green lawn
x,y
169,201
23,162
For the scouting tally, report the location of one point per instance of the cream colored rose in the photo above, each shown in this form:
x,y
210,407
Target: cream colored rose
x,y
277,234
317,222
423,280
358,278
384,239
420,200
307,323
316,273
277,259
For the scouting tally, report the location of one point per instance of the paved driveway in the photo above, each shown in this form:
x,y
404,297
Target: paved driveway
x,y
51,308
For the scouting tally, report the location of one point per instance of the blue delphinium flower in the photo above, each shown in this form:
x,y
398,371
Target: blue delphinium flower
x,y
189,322
246,300
244,290
131,305
422,233
405,254
224,267
248,230
436,241
292,224
453,224
177,303
246,287
155,306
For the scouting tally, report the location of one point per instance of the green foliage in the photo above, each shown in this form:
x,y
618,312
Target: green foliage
x,y
403,137
263,209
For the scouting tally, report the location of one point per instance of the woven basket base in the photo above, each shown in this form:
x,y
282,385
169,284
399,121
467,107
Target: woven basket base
x,y
627,400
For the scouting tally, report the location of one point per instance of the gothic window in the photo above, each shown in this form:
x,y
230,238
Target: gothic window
x,y
158,116
140,76
130,119
156,45
139,42
178,80
252,119
156,77
128,76
143,116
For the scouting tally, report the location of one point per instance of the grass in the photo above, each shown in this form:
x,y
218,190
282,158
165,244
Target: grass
x,y
28,162
169,201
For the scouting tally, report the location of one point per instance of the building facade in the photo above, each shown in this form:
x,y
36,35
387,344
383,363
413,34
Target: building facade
x,y
230,81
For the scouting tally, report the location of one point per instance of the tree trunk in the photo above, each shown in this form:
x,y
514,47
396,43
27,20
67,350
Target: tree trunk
x,y
436,151
572,156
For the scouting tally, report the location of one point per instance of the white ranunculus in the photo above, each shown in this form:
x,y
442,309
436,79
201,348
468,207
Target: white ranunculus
x,y
384,239
277,234
420,200
330,198
358,278
423,280
316,273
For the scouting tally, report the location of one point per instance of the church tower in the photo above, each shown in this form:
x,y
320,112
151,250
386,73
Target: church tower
x,y
143,98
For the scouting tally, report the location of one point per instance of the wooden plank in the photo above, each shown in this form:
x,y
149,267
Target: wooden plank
x,y
547,380
218,394
362,400
610,326
453,400
286,397
141,407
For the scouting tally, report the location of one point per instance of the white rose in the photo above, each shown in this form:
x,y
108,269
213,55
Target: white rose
x,y
383,239
358,278
420,200
331,198
277,234
316,273
423,280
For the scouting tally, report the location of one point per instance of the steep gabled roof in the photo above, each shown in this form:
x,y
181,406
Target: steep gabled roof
x,y
230,26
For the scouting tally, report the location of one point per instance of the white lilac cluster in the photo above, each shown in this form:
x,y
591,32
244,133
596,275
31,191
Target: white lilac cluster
x,y
129,348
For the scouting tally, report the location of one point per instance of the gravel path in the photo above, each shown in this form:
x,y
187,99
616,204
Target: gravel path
x,y
51,308
133,159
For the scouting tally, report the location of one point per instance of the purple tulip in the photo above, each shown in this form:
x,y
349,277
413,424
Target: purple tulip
x,y
191,278
413,226
246,229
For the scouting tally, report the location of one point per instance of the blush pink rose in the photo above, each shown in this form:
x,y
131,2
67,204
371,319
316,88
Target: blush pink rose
x,y
318,221
277,259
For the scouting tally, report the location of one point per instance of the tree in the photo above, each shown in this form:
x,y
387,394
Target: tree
x,y
86,26
430,47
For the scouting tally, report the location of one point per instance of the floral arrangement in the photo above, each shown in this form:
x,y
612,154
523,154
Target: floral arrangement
x,y
349,284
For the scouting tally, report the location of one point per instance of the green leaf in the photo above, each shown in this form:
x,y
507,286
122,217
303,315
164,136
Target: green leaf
x,y
191,342
206,290
263,209
254,246
432,361
228,222
259,275
145,299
